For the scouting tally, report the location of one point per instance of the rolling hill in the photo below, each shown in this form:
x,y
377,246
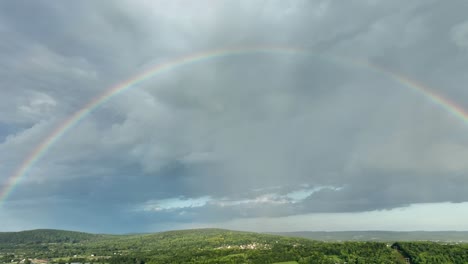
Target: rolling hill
x,y
224,246
46,236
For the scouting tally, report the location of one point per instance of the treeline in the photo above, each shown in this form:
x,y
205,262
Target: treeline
x,y
308,252
45,236
430,252
222,246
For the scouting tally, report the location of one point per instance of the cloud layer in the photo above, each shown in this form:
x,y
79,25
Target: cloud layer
x,y
247,136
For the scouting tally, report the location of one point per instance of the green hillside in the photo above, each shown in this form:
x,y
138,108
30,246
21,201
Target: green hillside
x,y
211,246
46,236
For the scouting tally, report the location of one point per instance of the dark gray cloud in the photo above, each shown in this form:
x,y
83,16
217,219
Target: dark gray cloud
x,y
242,136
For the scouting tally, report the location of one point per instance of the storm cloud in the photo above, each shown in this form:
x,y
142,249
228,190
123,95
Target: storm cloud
x,y
244,136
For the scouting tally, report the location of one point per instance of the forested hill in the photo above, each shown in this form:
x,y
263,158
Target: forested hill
x,y
197,246
61,236
436,236
214,246
46,236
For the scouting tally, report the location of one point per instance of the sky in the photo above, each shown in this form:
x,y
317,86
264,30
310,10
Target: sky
x,y
258,141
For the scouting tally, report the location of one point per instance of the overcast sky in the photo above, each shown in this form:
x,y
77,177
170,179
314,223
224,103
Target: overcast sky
x,y
255,141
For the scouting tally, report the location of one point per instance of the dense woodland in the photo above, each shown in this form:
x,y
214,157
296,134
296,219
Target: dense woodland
x,y
213,246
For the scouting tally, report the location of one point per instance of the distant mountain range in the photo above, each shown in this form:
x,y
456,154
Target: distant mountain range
x,y
61,236
441,236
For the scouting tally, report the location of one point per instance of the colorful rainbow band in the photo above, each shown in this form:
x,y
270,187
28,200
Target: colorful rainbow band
x,y
41,149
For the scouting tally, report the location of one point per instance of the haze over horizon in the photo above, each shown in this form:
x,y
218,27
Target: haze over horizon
x,y
266,141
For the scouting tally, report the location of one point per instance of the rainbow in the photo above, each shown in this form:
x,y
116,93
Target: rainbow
x,y
41,149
